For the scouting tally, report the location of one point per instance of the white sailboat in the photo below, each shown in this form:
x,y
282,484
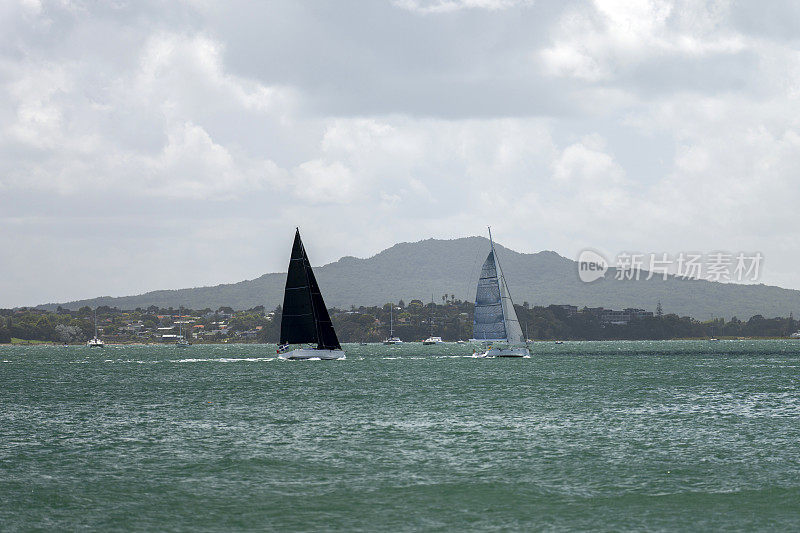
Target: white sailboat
x,y
391,339
432,339
305,319
95,342
495,324
181,342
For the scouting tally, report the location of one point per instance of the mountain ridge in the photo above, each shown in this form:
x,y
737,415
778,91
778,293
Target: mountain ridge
x,y
418,270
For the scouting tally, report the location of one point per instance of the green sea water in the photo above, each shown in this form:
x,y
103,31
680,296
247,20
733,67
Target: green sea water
x,y
678,435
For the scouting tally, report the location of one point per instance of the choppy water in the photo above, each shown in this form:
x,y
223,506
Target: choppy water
x,y
592,435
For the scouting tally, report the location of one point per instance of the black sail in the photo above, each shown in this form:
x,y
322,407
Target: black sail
x,y
305,318
326,336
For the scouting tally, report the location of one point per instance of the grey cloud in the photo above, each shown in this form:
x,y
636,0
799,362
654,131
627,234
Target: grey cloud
x,y
186,139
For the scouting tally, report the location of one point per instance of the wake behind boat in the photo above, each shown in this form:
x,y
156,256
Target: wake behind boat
x,y
495,323
305,319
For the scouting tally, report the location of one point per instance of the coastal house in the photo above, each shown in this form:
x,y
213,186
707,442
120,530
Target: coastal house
x,y
571,310
133,327
620,318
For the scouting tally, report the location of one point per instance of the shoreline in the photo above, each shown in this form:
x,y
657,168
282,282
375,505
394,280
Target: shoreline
x,y
538,341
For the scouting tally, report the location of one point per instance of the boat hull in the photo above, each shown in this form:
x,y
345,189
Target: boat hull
x,y
506,352
311,353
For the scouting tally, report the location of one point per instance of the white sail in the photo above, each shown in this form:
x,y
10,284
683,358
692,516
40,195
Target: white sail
x,y
495,318
489,323
513,329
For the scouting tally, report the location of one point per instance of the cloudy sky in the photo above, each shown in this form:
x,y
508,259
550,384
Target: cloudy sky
x,y
148,145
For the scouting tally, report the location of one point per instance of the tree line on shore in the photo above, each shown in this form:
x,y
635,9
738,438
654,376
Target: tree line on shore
x,y
451,320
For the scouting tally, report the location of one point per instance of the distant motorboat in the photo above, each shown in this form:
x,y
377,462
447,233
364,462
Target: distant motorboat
x,y
305,319
496,323
559,342
795,335
95,342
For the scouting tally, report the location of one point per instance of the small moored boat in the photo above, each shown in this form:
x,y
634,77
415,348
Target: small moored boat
x,y
391,339
182,342
95,342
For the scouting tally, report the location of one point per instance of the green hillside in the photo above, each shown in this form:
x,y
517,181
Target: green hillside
x,y
436,267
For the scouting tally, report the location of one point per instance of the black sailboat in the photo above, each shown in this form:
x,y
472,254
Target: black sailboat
x,y
305,319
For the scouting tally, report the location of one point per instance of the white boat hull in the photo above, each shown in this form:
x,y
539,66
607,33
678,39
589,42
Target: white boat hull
x,y
506,352
312,353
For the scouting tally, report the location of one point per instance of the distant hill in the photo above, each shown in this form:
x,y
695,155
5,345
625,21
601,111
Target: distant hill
x,y
435,267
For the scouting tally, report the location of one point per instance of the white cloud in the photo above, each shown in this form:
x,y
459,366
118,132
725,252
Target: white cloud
x,y
192,165
585,164
318,182
448,6
595,44
136,130
185,72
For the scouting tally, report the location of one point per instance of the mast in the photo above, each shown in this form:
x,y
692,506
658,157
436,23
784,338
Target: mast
x,y
391,320
95,322
430,318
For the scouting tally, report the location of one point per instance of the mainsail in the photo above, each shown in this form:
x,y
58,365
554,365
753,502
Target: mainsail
x,y
305,318
495,318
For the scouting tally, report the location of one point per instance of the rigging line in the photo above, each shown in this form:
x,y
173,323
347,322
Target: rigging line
x,y
472,272
503,277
